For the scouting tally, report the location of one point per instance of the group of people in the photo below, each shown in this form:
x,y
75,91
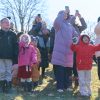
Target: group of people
x,y
71,53
22,55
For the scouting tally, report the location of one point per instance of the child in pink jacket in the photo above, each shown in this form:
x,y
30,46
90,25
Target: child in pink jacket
x,y
26,59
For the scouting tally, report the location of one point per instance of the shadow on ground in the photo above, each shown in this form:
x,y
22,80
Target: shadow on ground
x,y
47,90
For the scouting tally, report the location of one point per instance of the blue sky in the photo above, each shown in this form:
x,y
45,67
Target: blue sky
x,y
89,9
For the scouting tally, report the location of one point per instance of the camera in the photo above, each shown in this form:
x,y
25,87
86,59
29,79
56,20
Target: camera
x,y
77,11
39,15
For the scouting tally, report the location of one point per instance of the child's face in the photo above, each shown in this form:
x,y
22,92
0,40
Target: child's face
x,y
34,43
85,39
25,39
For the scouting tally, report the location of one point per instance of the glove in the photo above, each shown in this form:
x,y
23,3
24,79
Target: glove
x,y
75,40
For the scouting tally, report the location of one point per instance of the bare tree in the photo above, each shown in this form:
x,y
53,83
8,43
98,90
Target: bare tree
x,y
90,30
22,12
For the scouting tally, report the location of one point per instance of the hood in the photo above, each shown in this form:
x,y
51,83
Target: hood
x,y
61,15
81,41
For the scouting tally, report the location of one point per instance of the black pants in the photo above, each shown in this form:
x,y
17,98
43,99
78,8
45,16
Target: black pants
x,y
98,65
95,60
62,76
74,66
75,73
43,71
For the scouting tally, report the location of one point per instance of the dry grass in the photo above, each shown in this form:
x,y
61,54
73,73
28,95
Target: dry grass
x,y
47,91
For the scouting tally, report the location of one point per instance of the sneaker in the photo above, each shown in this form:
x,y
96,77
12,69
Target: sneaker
x,y
60,90
69,89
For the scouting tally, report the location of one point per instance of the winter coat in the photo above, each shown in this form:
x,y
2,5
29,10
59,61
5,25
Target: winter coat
x,y
44,45
27,55
97,40
36,28
8,46
85,52
64,32
52,38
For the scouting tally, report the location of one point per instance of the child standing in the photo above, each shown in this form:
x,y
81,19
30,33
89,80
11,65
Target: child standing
x,y
85,52
35,69
26,59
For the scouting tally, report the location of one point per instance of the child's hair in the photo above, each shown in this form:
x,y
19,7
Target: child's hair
x,y
25,34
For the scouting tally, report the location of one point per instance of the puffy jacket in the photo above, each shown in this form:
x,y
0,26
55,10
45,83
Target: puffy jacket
x,y
85,54
27,55
97,41
8,46
64,32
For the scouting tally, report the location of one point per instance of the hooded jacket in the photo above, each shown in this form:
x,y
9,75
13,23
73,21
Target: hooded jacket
x,y
85,52
62,53
27,55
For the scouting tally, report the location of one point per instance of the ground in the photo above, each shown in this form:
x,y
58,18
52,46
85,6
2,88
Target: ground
x,y
47,91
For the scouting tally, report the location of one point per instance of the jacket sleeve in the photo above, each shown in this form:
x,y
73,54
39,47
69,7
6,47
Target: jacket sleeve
x,y
97,47
57,24
15,49
74,47
33,56
84,25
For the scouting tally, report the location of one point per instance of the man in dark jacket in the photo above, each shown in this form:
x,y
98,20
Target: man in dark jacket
x,y
8,54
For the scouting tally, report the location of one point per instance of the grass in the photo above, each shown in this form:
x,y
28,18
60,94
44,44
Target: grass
x,y
47,91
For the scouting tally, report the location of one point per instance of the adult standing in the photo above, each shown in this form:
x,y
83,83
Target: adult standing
x,y
97,41
44,45
79,27
37,25
62,57
8,54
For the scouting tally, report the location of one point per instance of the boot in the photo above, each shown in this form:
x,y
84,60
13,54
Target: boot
x,y
24,86
29,86
2,85
8,86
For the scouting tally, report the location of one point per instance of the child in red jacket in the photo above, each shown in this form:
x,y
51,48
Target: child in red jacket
x,y
85,52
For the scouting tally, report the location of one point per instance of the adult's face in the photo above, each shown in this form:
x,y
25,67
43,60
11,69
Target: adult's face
x,y
38,19
65,15
5,24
